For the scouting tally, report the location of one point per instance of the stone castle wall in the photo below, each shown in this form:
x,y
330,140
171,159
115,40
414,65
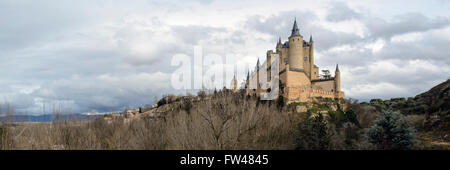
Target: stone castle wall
x,y
304,94
327,85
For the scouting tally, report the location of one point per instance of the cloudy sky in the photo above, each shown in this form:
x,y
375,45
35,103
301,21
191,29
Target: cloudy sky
x,y
105,55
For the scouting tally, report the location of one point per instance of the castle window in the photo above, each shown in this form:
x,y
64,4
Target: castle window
x,y
306,58
286,60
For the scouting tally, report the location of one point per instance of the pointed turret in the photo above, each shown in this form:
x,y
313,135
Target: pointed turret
x,y
314,73
247,82
278,43
337,79
248,75
295,30
257,65
234,84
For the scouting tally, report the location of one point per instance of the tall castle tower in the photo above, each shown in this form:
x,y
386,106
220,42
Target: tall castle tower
x,y
234,84
295,51
313,73
337,79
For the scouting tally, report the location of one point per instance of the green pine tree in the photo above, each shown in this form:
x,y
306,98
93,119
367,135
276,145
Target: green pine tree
x,y
391,131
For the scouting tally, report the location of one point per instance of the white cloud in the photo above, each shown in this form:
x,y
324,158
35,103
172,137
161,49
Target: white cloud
x,y
375,46
408,37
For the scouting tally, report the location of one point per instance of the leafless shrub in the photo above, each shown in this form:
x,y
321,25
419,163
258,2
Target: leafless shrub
x,y
364,114
148,133
6,140
229,121
416,121
221,120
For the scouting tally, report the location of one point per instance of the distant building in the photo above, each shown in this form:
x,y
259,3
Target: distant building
x,y
234,84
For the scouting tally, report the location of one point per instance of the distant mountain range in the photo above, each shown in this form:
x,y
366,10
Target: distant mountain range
x,y
47,117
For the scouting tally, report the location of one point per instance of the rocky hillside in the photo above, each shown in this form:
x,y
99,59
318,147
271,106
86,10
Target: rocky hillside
x,y
433,105
437,98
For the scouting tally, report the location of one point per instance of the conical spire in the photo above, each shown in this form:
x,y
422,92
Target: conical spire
x,y
337,68
257,65
278,43
310,38
295,30
248,74
234,83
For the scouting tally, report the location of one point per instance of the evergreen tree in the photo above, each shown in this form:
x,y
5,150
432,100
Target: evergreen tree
x,y
350,116
313,134
391,131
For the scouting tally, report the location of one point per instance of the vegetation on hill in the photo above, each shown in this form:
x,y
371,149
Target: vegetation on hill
x,y
221,120
234,120
428,113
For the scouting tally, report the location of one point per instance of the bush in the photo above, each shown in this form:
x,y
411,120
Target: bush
x,y
391,131
280,102
5,137
350,116
416,121
2,134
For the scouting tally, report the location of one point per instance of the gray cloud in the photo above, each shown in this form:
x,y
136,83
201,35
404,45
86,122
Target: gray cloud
x,y
405,23
339,11
281,24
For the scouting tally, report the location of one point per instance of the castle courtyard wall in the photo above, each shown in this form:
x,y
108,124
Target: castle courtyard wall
x,y
327,85
304,94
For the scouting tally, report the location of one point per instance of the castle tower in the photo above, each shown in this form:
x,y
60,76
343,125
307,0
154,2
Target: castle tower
x,y
295,51
278,47
155,102
337,79
258,86
311,56
234,84
247,82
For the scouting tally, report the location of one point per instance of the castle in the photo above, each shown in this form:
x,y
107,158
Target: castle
x,y
299,79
